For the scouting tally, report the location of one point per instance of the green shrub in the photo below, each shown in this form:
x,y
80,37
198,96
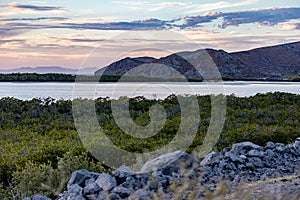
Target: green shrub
x,y
44,179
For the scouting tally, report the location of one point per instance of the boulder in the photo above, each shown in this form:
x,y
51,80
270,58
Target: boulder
x,y
106,182
270,145
102,196
122,192
114,196
79,177
91,188
169,163
256,153
244,147
142,194
208,158
297,145
75,190
257,162
279,147
123,172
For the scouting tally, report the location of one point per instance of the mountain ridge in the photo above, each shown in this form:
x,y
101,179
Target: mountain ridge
x,y
278,62
50,69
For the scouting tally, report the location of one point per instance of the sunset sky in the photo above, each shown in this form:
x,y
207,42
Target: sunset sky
x,y
93,33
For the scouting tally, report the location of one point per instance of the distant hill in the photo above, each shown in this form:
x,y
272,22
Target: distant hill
x,y
280,62
49,69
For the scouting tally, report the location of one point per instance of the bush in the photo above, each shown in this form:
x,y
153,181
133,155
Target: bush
x,y
44,179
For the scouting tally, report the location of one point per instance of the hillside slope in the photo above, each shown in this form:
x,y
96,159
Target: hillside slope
x,y
280,62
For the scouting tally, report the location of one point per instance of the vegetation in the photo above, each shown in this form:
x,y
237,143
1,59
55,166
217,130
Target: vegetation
x,y
54,77
40,146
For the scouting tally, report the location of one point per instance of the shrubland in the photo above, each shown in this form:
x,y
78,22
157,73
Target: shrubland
x,y
40,146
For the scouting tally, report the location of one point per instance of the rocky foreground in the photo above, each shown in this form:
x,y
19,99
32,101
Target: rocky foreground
x,y
246,171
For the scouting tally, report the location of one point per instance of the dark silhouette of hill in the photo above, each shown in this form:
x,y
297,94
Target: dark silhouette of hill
x,y
280,62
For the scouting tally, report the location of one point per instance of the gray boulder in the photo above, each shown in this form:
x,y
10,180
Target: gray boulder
x,y
142,194
297,145
102,196
208,158
75,190
123,172
122,192
91,188
244,147
256,153
114,196
106,182
170,162
270,145
80,176
279,147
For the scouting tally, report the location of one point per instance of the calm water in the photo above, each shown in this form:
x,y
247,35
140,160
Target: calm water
x,y
27,91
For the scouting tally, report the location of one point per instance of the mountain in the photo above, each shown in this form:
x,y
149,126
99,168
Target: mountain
x,y
124,65
49,69
275,61
280,62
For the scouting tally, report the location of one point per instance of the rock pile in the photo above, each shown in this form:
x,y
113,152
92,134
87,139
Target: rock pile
x,y
244,162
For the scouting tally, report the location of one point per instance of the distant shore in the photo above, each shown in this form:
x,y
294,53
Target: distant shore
x,y
55,77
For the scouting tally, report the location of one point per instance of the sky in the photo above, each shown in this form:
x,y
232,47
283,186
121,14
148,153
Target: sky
x,y
94,33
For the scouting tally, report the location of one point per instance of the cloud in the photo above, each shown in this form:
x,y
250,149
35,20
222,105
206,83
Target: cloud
x,y
290,26
147,3
185,7
10,41
150,24
264,17
35,19
35,8
268,17
83,40
196,20
196,8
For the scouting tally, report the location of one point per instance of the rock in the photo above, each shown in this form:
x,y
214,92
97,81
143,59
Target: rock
x,y
101,196
211,188
123,172
245,162
75,189
270,145
106,182
91,197
164,181
40,197
169,163
256,153
114,196
243,147
297,146
141,194
235,158
80,176
122,192
208,158
135,182
91,188
63,196
279,147
257,162
269,153
152,186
